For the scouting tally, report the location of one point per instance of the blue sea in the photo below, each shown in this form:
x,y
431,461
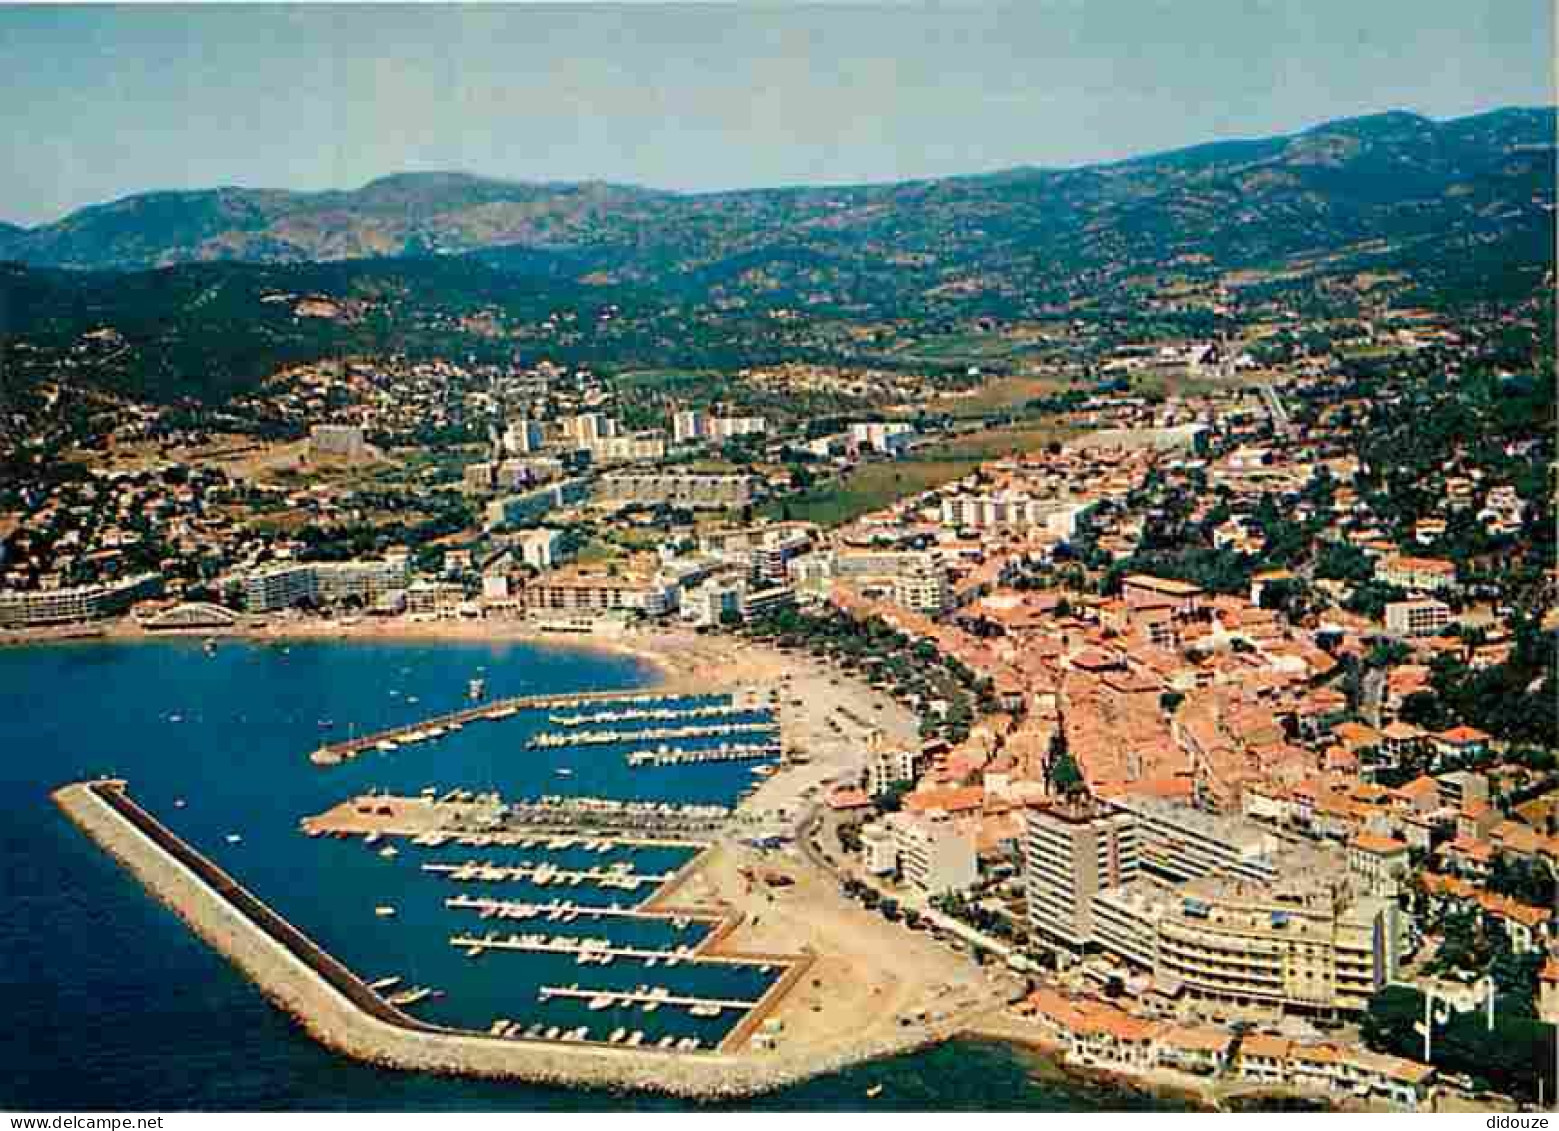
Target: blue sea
x,y
114,1005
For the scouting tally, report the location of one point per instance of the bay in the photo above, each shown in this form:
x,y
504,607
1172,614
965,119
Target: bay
x,y
114,1005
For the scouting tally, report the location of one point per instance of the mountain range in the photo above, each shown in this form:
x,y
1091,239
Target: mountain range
x,y
1393,177
196,294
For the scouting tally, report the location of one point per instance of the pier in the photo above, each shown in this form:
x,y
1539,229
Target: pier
x,y
644,997
496,710
565,911
554,739
552,823
485,871
598,952
343,1013
649,714
684,755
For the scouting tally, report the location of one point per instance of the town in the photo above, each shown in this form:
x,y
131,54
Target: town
x,y
1233,664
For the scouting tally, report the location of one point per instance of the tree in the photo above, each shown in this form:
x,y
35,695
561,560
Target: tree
x,y
891,799
1061,768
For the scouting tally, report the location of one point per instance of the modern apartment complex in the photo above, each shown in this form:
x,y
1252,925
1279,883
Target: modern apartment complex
x,y
1178,843
1016,511
1310,941
597,591
20,608
283,585
934,853
694,490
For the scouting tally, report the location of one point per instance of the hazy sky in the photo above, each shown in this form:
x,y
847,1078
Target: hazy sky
x,y
102,102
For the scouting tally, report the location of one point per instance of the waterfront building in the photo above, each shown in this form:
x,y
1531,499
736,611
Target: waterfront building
x,y
1072,850
1420,575
1311,941
285,585
435,598
935,853
539,548
879,849
757,602
22,608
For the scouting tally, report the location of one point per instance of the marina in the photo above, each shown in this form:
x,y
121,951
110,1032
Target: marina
x,y
384,915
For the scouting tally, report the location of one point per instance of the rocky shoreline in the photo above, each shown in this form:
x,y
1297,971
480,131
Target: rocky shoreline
x,y
333,1020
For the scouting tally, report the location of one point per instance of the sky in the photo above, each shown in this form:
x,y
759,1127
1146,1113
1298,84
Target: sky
x,y
102,102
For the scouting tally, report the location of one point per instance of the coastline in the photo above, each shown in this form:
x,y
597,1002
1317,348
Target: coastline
x,y
335,1022
648,648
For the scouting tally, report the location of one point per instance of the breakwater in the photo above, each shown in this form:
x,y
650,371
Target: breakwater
x,y
341,1012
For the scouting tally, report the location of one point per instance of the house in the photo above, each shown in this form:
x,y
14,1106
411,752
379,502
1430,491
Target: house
x,y
1263,1059
1462,742
1202,1050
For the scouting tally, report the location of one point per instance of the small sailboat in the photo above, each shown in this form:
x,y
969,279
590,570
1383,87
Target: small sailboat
x,y
384,911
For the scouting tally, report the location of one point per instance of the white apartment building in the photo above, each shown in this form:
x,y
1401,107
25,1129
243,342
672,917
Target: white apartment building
x,y
539,548
284,585
935,853
886,767
23,607
887,437
523,437
1061,518
1417,618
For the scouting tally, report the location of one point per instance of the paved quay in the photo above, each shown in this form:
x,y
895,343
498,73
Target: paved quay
x,y
340,1012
